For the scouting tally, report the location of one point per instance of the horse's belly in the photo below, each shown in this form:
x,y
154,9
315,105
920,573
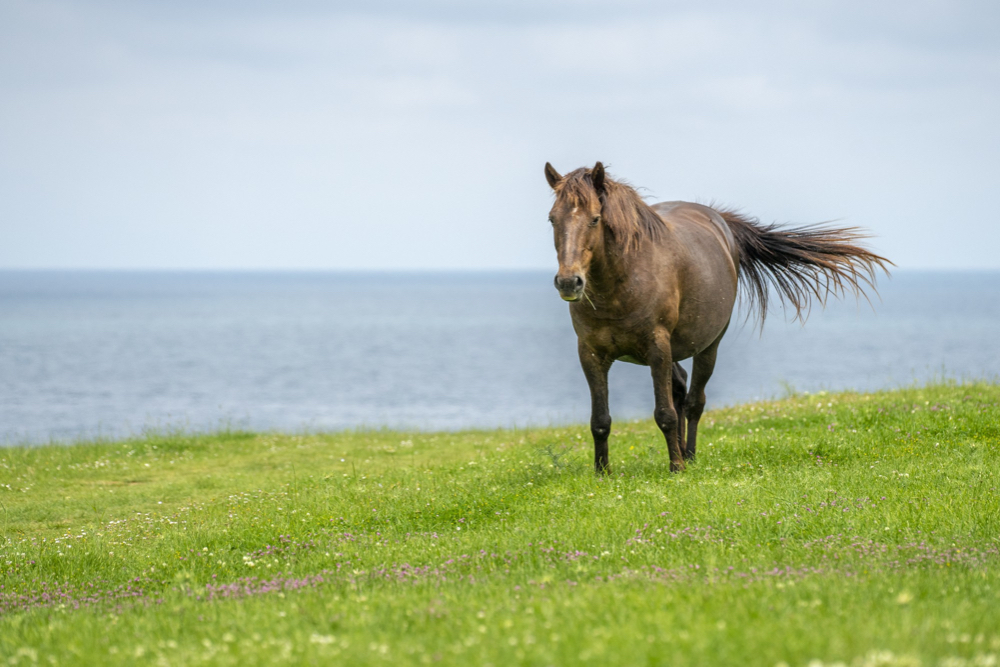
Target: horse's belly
x,y
687,341
681,350
632,360
702,321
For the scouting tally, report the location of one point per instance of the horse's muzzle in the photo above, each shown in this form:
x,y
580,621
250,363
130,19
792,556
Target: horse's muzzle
x,y
570,287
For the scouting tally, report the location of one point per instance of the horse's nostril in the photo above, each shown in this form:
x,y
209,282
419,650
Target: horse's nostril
x,y
569,283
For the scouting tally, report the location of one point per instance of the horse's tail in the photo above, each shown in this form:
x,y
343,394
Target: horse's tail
x,y
800,262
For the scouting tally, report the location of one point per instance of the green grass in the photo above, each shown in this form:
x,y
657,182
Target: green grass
x,y
821,529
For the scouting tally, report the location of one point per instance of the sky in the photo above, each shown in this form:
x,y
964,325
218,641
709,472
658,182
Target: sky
x,y
398,135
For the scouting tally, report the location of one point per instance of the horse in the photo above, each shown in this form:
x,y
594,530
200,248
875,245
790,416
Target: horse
x,y
656,284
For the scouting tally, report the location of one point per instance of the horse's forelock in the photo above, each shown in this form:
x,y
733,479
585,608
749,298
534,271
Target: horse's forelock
x,y
577,188
628,217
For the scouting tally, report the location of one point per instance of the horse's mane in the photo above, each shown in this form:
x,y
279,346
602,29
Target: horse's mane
x,y
630,220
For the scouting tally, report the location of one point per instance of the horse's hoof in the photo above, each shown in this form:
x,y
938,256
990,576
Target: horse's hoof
x,y
677,466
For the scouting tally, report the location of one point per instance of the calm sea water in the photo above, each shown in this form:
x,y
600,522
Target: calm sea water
x,y
85,354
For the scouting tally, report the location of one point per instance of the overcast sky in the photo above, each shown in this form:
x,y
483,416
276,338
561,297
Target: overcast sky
x,y
406,134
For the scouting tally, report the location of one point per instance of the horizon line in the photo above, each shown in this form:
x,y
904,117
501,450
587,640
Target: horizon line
x,y
382,270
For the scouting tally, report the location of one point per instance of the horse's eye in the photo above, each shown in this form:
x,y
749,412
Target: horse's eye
x,y
596,220
552,220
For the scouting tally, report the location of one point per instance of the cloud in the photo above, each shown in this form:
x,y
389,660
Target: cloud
x,y
404,135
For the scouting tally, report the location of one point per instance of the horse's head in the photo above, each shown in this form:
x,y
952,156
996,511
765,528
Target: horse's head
x,y
576,225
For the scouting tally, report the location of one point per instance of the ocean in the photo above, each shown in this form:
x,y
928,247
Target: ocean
x,y
109,354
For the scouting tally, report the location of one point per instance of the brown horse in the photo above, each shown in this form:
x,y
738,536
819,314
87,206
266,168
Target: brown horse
x,y
654,285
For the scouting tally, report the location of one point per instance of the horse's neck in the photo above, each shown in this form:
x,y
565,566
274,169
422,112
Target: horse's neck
x,y
612,271
616,277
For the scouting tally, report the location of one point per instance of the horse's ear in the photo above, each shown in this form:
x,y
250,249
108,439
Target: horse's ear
x,y
597,176
551,175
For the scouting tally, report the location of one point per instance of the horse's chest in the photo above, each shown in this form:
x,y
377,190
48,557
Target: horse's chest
x,y
620,342
631,345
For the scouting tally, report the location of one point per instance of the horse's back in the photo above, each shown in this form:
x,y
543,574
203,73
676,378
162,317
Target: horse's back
x,y
688,216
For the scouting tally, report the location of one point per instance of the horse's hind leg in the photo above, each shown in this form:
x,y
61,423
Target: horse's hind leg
x,y
701,372
680,396
661,367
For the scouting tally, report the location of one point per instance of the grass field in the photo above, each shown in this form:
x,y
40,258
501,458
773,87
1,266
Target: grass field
x,y
823,529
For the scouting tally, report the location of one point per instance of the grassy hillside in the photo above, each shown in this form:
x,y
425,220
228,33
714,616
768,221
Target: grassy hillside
x,y
822,529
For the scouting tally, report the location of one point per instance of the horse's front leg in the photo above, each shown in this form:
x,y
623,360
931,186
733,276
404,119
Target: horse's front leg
x,y
595,368
662,368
